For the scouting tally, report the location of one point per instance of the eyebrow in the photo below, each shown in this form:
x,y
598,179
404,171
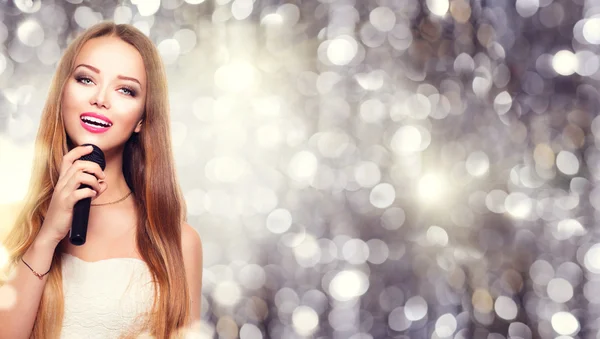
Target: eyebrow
x,y
122,77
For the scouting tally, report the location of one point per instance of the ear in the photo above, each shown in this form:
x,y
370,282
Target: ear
x,y
138,127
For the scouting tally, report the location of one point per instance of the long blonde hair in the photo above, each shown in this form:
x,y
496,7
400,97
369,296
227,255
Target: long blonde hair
x,y
149,172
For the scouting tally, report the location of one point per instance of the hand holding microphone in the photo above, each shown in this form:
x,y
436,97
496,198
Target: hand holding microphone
x,y
78,181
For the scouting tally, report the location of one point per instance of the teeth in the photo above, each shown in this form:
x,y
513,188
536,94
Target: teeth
x,y
92,121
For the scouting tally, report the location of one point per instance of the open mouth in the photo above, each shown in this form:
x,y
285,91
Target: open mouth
x,y
95,122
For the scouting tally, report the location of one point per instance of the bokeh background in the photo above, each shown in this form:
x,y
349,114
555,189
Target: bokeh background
x,y
362,168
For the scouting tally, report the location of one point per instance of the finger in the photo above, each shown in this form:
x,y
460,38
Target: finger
x,y
81,166
90,167
72,155
81,193
103,186
82,178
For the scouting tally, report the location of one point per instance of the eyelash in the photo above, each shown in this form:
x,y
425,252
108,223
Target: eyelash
x,y
131,90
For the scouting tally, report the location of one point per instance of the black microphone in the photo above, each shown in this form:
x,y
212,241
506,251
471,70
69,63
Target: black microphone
x,y
81,210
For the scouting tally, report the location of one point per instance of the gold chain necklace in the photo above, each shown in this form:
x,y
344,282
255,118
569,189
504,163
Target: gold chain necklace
x,y
113,202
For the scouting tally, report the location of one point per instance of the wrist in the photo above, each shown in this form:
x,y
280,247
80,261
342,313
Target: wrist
x,y
45,243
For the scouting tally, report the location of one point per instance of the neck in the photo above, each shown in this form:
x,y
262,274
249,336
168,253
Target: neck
x,y
115,180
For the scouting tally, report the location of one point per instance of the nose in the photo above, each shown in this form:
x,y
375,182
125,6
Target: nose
x,y
99,99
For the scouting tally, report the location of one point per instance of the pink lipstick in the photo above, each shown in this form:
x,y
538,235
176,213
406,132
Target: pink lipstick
x,y
94,122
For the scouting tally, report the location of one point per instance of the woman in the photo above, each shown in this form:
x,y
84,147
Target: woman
x,y
109,90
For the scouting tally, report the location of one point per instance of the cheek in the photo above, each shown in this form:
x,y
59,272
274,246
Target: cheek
x,y
69,99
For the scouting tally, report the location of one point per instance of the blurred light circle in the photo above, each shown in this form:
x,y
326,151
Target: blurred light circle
x,y
305,320
519,330
560,290
527,8
565,62
407,139
482,301
506,308
567,228
588,63
85,17
383,18
567,163
252,276
518,204
48,53
247,331
194,2
373,111
241,9
279,221
31,33
348,285
289,14
371,36
393,218
169,50
355,251
438,7
477,163
186,39
591,30
378,251
494,201
415,308
303,166
147,7
227,293
592,259
28,6
446,325
398,321
464,63
333,143
541,272
308,251
565,323
437,236
367,174
122,15
382,195
342,50
502,103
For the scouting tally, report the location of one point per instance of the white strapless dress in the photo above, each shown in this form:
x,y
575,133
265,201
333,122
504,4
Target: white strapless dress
x,y
106,298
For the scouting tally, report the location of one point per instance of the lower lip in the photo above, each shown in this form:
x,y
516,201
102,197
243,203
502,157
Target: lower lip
x,y
93,129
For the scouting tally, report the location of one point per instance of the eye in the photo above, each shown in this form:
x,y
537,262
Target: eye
x,y
84,80
128,91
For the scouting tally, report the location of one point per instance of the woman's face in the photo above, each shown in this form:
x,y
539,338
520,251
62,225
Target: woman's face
x,y
103,100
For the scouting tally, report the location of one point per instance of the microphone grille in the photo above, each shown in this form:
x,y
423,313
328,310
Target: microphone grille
x,y
96,156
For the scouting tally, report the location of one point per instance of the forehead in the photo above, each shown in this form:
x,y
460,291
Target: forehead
x,y
112,56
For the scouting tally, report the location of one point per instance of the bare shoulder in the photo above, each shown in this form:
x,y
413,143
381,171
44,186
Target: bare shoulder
x,y
190,241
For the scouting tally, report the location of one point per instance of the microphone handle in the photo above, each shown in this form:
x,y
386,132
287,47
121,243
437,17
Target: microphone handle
x,y
81,213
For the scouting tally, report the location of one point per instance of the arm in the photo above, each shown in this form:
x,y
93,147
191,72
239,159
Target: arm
x,y
192,257
20,297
